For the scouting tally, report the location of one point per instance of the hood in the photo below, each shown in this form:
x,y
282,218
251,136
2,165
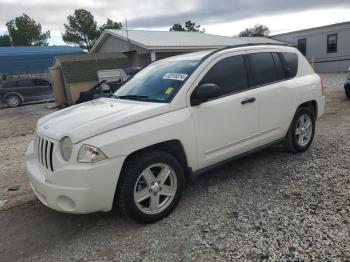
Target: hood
x,y
82,121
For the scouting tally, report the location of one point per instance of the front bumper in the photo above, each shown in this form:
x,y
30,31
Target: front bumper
x,y
79,188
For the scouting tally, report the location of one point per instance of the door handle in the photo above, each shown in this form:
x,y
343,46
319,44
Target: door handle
x,y
248,100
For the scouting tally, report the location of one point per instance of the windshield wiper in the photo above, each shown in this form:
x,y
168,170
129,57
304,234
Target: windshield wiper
x,y
114,96
132,97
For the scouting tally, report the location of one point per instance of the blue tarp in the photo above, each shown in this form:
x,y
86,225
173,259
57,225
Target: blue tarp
x,y
31,59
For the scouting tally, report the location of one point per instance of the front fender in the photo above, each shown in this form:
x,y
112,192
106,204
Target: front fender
x,y
175,125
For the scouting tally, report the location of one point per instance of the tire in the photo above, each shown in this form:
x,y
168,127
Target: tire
x,y
347,92
13,101
300,136
156,179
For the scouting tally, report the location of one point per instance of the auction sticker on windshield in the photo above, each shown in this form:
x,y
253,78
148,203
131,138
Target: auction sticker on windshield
x,y
175,76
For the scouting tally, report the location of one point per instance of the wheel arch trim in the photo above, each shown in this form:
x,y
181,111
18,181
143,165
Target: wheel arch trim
x,y
13,93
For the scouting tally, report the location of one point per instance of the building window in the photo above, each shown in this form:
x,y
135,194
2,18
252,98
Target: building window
x,y
332,43
302,46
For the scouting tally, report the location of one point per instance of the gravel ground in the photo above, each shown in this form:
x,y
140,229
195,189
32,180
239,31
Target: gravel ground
x,y
16,131
270,206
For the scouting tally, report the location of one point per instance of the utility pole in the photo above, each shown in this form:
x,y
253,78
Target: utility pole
x,y
11,40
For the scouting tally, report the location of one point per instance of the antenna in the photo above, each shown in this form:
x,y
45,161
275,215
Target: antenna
x,y
126,29
10,38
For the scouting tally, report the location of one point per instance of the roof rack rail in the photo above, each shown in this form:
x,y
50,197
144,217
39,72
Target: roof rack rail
x,y
243,45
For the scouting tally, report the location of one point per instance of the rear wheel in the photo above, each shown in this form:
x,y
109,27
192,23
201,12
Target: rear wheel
x,y
302,130
13,100
151,186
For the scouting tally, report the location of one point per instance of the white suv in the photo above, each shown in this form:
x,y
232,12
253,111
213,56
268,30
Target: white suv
x,y
172,121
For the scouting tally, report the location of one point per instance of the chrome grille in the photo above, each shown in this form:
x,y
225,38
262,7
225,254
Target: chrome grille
x,y
44,151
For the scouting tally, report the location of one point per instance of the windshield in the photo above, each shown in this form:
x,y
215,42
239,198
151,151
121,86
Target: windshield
x,y
157,82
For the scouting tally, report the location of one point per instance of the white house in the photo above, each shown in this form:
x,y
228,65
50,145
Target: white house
x,y
328,46
142,47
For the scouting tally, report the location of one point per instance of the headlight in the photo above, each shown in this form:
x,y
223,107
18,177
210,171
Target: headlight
x,y
90,154
66,147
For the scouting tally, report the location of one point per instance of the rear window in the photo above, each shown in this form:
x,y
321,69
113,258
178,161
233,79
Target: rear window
x,y
291,64
281,72
263,68
41,82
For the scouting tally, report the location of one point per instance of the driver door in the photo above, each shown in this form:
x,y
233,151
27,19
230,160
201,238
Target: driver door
x,y
227,125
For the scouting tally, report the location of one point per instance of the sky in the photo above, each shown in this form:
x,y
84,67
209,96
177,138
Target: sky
x,y
221,17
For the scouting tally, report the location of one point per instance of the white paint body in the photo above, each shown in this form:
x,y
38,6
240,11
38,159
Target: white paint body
x,y
209,133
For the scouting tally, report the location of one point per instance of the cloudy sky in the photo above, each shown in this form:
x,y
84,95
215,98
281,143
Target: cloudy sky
x,y
223,17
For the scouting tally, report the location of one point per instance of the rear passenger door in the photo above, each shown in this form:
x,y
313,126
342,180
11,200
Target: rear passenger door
x,y
269,78
43,89
26,88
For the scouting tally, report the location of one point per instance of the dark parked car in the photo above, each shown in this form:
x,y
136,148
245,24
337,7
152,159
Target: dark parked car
x,y
16,91
347,85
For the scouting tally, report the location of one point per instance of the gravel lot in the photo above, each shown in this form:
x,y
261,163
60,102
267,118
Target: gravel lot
x,y
270,206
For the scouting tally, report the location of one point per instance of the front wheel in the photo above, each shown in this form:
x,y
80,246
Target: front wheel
x,y
151,186
302,130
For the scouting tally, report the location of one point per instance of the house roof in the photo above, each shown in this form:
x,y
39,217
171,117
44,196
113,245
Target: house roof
x,y
314,28
30,59
179,40
30,50
90,57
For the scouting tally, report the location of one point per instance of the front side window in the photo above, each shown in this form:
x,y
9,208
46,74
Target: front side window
x,y
229,74
332,43
158,82
10,84
263,68
302,46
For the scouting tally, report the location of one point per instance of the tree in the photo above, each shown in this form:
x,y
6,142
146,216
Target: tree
x,y
257,30
189,27
81,29
26,32
5,40
177,27
110,24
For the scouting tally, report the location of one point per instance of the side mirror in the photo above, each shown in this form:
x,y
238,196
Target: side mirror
x,y
204,92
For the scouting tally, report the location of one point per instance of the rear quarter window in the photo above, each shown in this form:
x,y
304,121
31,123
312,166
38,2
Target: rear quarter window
x,y
291,64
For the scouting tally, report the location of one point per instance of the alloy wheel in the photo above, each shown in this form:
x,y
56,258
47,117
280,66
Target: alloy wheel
x,y
303,131
155,188
13,101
